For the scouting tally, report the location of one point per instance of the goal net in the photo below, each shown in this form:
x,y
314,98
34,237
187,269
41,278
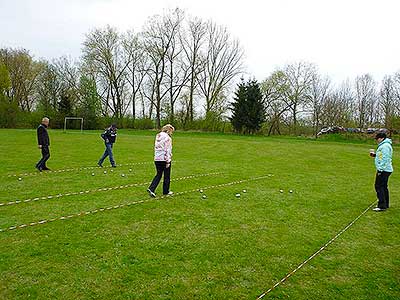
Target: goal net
x,y
73,123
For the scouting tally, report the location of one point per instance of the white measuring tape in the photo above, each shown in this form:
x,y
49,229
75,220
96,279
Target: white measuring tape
x,y
76,169
97,190
85,213
316,253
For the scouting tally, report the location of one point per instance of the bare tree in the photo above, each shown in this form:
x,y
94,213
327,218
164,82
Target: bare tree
x,y
103,52
387,101
365,100
318,94
299,77
136,61
192,42
178,73
337,106
159,37
222,62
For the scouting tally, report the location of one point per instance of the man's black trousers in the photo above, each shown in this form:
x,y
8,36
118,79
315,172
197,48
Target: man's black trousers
x,y
45,156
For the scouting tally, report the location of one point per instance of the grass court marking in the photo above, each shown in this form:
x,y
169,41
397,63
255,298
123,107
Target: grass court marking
x,y
85,213
76,169
98,190
315,253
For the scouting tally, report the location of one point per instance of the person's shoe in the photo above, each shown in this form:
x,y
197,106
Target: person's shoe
x,y
170,193
46,169
378,209
151,193
100,164
39,168
113,166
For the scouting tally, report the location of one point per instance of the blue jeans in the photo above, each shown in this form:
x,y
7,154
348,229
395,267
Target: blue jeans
x,y
108,152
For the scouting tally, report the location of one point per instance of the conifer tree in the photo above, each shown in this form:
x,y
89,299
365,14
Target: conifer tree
x,y
248,111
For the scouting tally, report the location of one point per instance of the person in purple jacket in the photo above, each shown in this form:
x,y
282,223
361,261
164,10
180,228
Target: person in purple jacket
x,y
162,160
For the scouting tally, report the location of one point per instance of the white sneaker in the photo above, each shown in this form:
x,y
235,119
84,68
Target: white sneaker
x,y
378,209
151,193
170,193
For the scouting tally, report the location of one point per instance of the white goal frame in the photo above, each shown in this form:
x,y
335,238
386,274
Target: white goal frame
x,y
72,118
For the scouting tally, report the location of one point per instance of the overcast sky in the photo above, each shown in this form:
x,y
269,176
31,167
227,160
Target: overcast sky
x,y
345,38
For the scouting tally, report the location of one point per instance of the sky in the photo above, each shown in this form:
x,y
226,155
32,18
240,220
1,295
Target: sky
x,y
344,38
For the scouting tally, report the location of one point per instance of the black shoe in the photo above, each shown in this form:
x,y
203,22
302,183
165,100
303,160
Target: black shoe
x,y
113,166
46,169
100,165
39,168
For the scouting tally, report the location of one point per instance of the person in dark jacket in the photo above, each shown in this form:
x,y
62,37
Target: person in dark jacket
x,y
109,136
43,144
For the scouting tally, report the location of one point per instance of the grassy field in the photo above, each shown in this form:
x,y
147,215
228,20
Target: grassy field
x,y
84,242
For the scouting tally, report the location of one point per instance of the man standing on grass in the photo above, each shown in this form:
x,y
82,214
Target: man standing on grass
x,y
43,144
109,136
384,168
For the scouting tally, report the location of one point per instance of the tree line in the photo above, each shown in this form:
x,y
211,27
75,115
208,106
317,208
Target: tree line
x,y
297,99
182,70
178,69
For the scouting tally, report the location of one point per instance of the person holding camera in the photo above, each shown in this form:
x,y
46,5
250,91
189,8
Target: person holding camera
x,y
384,168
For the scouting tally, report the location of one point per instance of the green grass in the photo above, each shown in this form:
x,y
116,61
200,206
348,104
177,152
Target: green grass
x,y
186,247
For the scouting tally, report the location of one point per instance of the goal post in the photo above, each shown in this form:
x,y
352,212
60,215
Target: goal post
x,y
72,118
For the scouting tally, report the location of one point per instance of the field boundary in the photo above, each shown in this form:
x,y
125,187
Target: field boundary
x,y
98,190
98,210
76,169
315,253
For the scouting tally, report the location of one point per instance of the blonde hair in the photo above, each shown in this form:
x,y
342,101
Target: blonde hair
x,y
168,128
45,119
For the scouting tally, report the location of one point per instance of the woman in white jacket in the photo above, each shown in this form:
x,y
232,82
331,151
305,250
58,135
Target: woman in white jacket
x,y
162,160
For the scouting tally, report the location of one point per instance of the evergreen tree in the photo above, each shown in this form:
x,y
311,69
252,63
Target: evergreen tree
x,y
248,111
238,107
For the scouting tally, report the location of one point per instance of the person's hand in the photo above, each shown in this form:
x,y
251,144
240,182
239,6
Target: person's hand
x,y
40,146
107,141
168,165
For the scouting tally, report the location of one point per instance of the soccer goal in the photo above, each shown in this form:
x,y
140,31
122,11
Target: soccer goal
x,y
72,118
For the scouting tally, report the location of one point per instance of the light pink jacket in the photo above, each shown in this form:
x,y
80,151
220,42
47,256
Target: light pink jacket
x,y
163,147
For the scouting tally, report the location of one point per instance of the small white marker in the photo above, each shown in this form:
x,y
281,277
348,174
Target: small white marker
x,y
19,178
237,195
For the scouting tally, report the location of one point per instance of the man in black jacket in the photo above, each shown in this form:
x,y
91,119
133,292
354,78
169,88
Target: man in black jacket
x,y
43,144
109,136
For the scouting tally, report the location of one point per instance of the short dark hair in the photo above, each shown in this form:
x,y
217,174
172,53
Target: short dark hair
x,y
380,135
113,125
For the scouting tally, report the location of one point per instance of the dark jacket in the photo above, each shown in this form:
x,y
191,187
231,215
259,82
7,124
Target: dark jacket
x,y
109,135
42,135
